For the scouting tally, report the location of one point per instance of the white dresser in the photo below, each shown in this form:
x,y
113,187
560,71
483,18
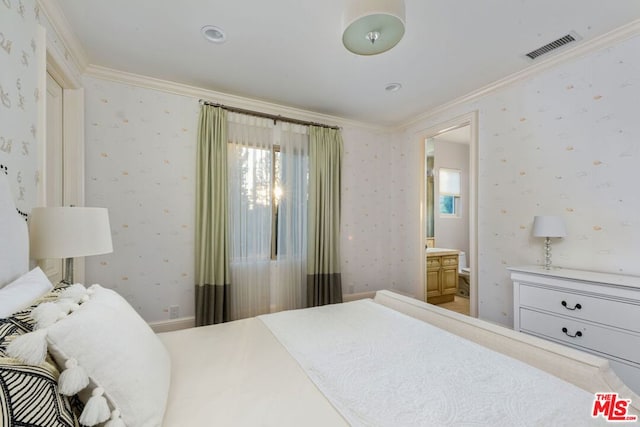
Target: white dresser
x,y
595,312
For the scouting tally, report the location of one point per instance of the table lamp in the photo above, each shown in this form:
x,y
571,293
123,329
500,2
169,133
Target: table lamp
x,y
548,226
68,232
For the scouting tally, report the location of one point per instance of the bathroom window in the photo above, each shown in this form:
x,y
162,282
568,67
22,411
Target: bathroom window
x,y
449,192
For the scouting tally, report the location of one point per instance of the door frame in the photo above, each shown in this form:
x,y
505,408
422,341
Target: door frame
x,y
51,152
470,119
73,162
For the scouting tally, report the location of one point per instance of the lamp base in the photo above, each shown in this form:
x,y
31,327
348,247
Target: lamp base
x,y
68,271
547,253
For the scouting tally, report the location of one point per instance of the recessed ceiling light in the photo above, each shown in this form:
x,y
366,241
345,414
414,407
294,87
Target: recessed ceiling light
x,y
393,87
213,34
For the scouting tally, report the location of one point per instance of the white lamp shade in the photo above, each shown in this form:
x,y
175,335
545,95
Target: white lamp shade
x,y
549,226
362,17
69,232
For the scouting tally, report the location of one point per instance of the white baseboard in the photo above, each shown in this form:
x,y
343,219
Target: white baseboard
x,y
173,324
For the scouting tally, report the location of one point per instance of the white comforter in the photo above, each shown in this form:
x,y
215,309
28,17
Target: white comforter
x,y
379,367
358,363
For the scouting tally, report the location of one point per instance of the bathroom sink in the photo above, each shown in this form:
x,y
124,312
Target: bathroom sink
x,y
434,250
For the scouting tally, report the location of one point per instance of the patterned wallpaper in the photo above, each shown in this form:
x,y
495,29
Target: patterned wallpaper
x,y
565,142
140,164
20,96
366,224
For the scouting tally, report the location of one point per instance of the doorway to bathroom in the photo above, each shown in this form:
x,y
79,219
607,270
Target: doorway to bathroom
x,y
449,215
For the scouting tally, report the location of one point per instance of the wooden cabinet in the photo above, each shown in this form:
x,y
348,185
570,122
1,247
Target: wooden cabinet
x,y
595,312
433,277
442,275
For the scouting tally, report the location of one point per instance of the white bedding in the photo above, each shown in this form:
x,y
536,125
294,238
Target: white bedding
x,y
380,367
357,363
237,374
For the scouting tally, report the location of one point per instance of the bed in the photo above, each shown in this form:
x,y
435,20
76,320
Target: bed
x,y
391,360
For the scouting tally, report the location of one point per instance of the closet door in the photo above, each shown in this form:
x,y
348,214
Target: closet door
x,y
53,173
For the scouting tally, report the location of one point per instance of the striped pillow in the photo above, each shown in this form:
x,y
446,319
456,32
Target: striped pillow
x,y
29,394
42,405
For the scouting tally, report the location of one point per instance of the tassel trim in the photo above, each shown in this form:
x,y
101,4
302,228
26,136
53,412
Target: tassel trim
x,y
46,314
96,409
73,379
29,348
115,420
74,292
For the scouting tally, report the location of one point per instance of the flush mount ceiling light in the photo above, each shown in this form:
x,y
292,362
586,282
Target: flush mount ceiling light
x,y
213,34
373,26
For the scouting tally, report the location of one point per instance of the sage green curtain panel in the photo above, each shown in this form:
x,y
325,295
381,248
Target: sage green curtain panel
x,y
212,229
324,281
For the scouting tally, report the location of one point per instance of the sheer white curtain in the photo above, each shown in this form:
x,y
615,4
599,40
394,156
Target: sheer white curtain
x,y
290,273
262,284
249,169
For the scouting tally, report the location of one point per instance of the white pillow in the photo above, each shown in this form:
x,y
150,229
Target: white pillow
x,y
20,293
119,352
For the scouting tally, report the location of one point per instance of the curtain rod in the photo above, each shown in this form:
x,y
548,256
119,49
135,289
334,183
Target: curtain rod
x,y
273,117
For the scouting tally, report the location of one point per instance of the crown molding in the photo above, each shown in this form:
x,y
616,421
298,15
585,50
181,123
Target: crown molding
x,y
72,48
606,40
231,100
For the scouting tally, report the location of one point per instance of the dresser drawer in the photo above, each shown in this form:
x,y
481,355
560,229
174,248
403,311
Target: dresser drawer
x,y
603,340
450,260
433,262
613,313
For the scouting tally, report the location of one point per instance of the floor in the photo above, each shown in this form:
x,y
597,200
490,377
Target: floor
x,y
459,305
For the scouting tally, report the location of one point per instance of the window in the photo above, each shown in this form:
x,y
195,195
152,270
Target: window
x,y
449,192
276,195
267,206
267,192
260,194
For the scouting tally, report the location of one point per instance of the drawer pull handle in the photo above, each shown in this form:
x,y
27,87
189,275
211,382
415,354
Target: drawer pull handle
x,y
576,307
578,334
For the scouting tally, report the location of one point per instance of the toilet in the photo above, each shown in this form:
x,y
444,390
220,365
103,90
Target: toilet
x,y
463,275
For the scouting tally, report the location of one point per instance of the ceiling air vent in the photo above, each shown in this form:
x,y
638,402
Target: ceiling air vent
x,y
562,41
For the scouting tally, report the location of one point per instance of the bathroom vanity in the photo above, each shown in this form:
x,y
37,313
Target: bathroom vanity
x,y
442,275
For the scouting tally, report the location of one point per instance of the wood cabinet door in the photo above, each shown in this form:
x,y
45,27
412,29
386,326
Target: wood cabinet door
x,y
449,278
433,282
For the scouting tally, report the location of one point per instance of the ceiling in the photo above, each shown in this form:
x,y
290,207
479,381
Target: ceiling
x,y
290,51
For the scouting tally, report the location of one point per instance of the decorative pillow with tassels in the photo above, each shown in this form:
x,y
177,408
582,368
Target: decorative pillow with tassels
x,y
111,357
20,382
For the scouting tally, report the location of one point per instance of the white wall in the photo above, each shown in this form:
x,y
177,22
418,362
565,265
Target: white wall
x,y
567,142
140,163
366,224
452,232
